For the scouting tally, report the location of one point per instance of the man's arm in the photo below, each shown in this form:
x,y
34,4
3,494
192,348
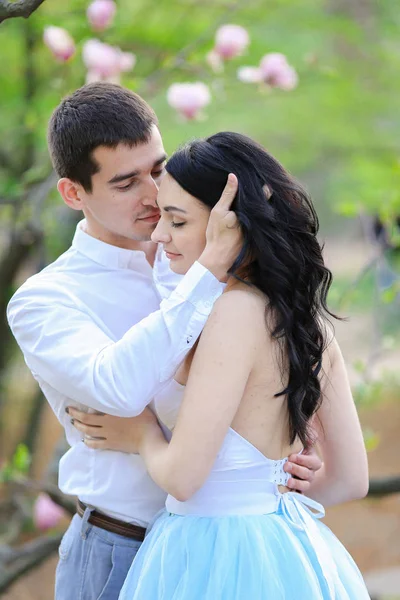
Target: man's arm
x,y
63,345
304,469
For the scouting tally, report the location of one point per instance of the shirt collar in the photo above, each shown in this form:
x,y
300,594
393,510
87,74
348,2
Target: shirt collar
x,y
106,254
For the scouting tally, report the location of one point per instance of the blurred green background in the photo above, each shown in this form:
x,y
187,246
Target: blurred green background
x,y
338,131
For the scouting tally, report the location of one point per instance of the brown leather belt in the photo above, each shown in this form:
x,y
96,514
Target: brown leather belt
x,y
110,524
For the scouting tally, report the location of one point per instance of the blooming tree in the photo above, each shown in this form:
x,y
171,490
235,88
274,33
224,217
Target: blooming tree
x,y
105,62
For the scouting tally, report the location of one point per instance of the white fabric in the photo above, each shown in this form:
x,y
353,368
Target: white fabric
x,y
296,509
242,480
93,334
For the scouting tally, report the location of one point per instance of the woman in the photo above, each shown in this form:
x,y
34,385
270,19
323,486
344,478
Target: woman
x,y
266,377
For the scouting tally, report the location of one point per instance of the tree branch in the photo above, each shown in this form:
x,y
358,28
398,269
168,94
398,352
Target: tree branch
x,y
22,241
21,560
30,88
6,162
21,244
384,486
9,201
20,8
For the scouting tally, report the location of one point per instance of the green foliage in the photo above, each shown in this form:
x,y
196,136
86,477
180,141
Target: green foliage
x,y
390,294
17,466
343,296
371,439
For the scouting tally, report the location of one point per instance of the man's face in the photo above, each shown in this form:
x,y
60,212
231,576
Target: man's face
x,y
121,209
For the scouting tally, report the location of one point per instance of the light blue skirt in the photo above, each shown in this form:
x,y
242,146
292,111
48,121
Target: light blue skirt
x,y
256,557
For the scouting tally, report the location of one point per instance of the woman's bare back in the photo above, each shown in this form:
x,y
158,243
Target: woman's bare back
x,y
261,418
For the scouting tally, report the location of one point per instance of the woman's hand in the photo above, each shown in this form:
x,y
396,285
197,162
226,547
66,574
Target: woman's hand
x,y
105,432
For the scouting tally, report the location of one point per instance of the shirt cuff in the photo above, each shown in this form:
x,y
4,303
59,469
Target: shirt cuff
x,y
200,287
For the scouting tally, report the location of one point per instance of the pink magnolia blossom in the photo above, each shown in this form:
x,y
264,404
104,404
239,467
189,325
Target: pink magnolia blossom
x,y
189,98
231,41
250,74
59,42
46,513
127,61
276,71
93,76
100,14
105,62
100,58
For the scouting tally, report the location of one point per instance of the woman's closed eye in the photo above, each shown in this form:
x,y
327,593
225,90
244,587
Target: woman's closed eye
x,y
175,224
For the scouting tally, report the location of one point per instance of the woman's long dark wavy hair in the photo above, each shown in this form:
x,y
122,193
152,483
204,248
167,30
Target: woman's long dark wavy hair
x,y
281,255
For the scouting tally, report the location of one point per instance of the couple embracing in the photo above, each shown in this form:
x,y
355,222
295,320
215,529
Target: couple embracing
x,y
183,342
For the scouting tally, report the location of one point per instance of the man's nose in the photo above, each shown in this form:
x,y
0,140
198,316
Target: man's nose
x,y
150,196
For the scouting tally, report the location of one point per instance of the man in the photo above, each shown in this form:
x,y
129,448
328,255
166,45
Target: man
x,y
93,331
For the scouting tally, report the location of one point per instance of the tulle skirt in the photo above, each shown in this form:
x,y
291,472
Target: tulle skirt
x,y
256,557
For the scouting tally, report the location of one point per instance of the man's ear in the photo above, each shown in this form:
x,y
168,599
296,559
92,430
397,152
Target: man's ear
x,y
70,192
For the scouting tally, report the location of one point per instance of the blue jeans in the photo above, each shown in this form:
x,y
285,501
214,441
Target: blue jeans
x,y
93,562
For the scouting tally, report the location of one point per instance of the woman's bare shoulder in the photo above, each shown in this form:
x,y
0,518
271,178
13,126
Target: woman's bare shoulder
x,y
241,300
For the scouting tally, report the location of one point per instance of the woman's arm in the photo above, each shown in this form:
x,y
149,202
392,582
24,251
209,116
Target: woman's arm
x,y
344,474
217,380
106,432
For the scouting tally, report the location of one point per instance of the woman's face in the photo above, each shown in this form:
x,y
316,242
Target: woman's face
x,y
182,225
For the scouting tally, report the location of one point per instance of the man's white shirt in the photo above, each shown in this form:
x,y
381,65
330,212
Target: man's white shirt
x,y
94,334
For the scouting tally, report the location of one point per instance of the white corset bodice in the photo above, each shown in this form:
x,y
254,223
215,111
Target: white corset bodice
x,y
242,480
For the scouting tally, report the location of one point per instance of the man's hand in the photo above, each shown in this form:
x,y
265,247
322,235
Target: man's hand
x,y
224,239
105,432
303,467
